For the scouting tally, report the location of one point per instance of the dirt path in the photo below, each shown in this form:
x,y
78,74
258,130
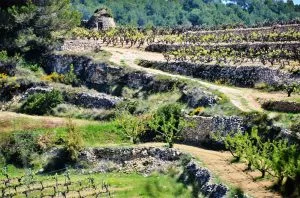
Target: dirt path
x,y
233,174
243,98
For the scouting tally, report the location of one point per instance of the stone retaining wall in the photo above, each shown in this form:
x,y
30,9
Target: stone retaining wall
x,y
282,106
86,100
203,128
151,159
79,45
104,76
242,76
202,180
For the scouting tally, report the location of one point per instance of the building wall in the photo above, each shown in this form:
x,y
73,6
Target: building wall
x,y
108,23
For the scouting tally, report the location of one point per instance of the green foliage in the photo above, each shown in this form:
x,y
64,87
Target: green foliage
x,y
263,124
3,56
168,121
192,12
285,160
19,148
291,88
34,28
31,66
132,126
41,103
70,78
73,142
276,157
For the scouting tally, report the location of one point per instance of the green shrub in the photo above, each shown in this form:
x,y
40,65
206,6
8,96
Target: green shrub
x,y
70,78
73,141
261,85
19,148
132,126
41,103
29,65
168,121
3,56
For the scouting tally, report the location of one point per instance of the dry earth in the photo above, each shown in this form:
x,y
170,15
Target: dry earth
x,y
233,174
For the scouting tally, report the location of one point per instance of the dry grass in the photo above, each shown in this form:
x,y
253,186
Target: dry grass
x,y
10,122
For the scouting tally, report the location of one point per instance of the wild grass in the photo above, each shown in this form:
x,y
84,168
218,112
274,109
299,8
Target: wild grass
x,y
10,122
154,101
103,133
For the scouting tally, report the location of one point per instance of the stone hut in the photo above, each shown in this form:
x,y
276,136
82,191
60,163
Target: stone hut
x,y
101,20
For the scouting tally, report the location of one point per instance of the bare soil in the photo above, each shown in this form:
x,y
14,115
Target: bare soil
x,y
233,174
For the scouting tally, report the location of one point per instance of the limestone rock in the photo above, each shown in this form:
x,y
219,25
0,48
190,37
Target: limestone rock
x,y
197,97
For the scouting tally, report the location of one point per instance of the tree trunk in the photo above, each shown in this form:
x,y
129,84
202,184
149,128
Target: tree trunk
x,y
263,173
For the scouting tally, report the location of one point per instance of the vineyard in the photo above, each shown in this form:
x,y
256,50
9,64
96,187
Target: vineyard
x,y
52,186
277,45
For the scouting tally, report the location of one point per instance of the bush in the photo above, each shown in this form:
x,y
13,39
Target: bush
x,y
168,122
19,148
3,76
73,141
53,77
69,78
3,56
41,103
132,126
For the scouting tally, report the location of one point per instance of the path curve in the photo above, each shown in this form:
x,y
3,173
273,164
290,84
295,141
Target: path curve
x,y
233,174
243,98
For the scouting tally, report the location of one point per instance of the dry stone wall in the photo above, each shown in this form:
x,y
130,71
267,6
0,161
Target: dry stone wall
x,y
104,76
203,128
150,159
86,100
282,106
242,76
79,45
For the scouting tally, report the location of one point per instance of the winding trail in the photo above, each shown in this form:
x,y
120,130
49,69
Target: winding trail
x,y
233,174
243,98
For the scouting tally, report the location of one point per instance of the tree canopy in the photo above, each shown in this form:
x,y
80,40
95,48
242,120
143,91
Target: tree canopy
x,y
32,27
192,12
